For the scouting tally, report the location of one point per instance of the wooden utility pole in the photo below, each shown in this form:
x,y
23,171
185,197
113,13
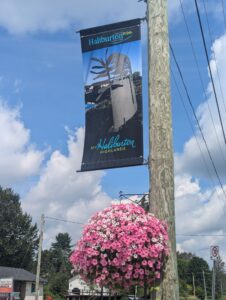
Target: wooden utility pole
x,y
204,282
193,283
161,165
222,296
39,258
213,279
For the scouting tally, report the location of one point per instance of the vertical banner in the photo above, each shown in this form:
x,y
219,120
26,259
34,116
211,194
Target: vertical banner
x,y
113,96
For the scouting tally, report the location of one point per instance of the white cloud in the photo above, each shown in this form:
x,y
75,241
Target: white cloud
x,y
203,211
185,186
28,16
18,157
62,193
17,85
192,159
199,213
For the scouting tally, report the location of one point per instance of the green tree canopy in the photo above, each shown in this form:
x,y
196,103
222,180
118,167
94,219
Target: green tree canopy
x,y
19,237
190,266
183,260
197,266
220,276
60,251
63,243
56,267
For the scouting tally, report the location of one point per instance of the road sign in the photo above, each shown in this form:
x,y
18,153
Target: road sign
x,y
214,252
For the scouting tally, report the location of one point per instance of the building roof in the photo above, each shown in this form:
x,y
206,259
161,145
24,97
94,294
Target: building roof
x,y
18,274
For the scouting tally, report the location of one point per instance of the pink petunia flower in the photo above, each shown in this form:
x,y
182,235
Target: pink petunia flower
x,y
121,246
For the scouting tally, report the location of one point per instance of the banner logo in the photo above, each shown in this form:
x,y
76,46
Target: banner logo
x,y
115,142
115,38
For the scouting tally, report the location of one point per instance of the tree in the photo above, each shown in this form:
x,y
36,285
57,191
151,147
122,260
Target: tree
x,y
19,237
220,276
189,264
197,266
55,266
183,260
58,284
47,267
60,251
63,243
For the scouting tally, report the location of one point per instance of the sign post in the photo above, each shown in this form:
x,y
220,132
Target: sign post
x,y
214,255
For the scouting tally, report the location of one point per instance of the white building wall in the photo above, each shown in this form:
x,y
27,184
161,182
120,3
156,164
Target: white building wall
x,y
77,282
29,295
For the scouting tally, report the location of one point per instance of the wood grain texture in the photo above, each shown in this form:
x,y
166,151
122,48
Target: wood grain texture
x,y
161,165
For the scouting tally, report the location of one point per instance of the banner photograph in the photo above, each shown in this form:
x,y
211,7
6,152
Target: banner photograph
x,y
113,96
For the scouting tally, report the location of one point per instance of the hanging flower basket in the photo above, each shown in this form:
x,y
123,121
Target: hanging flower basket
x,y
121,246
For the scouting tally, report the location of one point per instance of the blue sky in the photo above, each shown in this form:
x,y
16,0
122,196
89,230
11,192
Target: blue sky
x,y
42,116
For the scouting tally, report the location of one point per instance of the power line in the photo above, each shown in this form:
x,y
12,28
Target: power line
x,y
211,75
193,110
201,235
190,123
62,220
214,55
179,234
200,77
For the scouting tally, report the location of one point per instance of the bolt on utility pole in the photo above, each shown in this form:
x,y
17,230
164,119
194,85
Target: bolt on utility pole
x,y
161,165
39,258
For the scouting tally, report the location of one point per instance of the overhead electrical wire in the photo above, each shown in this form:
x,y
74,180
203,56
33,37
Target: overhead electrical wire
x,y
193,110
62,220
198,144
201,80
214,55
179,234
190,123
202,235
181,98
210,70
